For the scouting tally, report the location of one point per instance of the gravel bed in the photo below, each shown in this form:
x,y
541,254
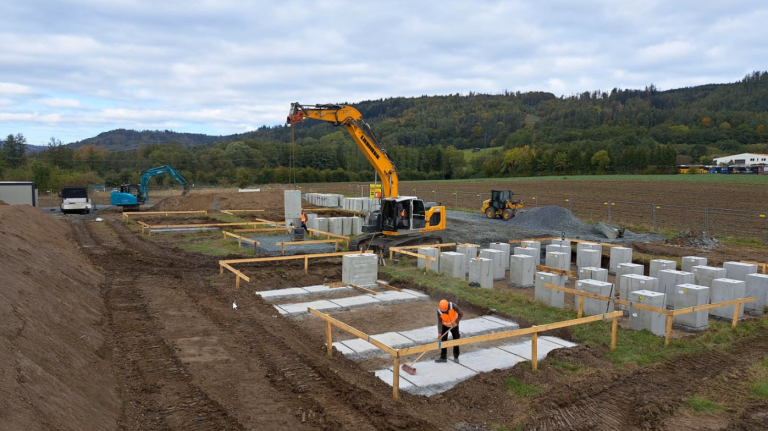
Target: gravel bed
x,y
268,244
544,221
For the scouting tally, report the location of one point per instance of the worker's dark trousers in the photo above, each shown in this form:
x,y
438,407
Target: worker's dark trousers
x,y
456,336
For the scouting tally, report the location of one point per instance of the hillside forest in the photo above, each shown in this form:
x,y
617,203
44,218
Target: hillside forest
x,y
433,137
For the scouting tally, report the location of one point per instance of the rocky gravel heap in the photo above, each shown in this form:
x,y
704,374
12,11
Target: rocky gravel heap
x,y
695,239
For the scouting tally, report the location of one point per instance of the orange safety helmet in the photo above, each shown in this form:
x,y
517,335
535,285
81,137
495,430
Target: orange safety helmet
x,y
443,305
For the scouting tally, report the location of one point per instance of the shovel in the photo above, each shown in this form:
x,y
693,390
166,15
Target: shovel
x,y
409,368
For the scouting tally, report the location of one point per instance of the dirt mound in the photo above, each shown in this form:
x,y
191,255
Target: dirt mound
x,y
3,203
696,239
269,199
52,338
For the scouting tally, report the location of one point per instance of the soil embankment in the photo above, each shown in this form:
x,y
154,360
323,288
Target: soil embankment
x,y
55,371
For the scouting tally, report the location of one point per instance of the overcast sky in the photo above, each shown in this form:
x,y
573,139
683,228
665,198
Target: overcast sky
x,y
73,69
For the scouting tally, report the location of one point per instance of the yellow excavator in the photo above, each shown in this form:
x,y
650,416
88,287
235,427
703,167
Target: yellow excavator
x,y
400,220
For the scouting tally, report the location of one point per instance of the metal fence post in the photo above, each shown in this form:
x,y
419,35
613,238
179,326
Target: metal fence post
x,y
537,201
457,199
653,212
480,200
609,211
435,192
570,205
706,220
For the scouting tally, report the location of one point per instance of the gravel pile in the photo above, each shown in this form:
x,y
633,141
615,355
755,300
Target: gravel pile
x,y
696,239
553,218
268,245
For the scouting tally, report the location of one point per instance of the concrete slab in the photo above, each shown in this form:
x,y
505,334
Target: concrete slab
x,y
301,308
523,349
395,339
282,293
325,289
558,341
361,347
415,293
485,360
478,326
386,375
504,322
394,296
342,348
424,335
432,378
356,301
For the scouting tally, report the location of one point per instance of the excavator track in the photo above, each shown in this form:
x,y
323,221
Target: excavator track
x,y
389,242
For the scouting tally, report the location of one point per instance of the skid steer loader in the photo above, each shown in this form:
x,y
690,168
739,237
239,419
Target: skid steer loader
x,y
501,205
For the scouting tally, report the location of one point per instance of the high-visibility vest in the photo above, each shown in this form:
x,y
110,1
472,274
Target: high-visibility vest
x,y
303,217
449,317
402,213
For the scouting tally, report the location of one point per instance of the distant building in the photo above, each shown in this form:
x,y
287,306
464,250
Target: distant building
x,y
744,159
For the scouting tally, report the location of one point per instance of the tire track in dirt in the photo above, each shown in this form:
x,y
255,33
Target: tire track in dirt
x,y
640,399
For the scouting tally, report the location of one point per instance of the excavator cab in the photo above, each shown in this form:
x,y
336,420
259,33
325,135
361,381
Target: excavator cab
x,y
405,215
501,205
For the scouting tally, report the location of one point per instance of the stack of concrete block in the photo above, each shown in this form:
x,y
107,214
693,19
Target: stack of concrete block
x,y
364,205
431,252
504,247
619,255
551,297
359,269
588,254
481,271
594,306
757,286
687,296
453,264
498,257
689,262
669,279
628,268
726,289
558,248
557,260
645,319
592,273
469,251
738,270
533,252
321,224
632,282
703,275
521,271
657,265
292,206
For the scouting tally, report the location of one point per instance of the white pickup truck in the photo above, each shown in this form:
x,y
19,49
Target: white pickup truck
x,y
75,200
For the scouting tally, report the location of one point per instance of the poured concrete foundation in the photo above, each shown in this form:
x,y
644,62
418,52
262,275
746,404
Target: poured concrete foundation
x,y
382,298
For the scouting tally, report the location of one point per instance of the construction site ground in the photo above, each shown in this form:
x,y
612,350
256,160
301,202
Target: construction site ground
x,y
166,350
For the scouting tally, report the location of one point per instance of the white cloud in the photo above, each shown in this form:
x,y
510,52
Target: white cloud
x,y
54,102
10,88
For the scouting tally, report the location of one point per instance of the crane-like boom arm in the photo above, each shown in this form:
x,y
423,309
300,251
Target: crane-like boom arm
x,y
349,117
149,173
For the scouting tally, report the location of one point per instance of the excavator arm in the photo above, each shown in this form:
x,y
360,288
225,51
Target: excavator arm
x,y
149,173
351,119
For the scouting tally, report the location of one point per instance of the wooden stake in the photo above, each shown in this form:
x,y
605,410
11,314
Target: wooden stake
x,y
306,264
581,307
535,351
329,337
363,289
614,330
736,309
668,333
396,377
388,286
221,269
237,282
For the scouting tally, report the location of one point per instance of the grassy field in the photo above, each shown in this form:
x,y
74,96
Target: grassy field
x,y
469,155
701,178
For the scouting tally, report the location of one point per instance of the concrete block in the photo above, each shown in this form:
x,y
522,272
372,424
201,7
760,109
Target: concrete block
x,y
738,270
644,319
689,262
565,242
505,247
557,260
669,278
551,297
521,270
726,289
588,257
657,265
346,226
533,252
498,257
703,275
691,295
628,268
335,225
322,224
357,225
434,265
757,286
592,273
595,306
481,271
566,250
531,244
589,246
452,264
631,282
469,251
359,269
619,255
292,204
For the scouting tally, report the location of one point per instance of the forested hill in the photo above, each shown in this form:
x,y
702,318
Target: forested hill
x,y
432,137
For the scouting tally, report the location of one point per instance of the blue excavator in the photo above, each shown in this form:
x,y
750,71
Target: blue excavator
x,y
131,197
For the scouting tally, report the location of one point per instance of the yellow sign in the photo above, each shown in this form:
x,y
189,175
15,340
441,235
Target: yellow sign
x,y
375,191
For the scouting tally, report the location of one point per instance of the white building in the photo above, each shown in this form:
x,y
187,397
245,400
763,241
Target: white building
x,y
743,159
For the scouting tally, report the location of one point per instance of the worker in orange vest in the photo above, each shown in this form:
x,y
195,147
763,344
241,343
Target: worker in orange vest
x,y
303,220
448,317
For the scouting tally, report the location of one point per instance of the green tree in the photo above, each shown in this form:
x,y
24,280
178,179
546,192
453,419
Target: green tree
x,y
601,160
15,151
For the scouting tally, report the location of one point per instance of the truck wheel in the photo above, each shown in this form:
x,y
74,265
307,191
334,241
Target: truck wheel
x,y
490,212
507,214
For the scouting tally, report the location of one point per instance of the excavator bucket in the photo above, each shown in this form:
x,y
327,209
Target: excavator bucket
x,y
186,190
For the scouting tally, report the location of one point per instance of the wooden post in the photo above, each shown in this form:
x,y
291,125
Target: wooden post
x,y
149,230
736,309
614,330
237,282
221,269
427,259
336,246
306,264
240,242
391,253
396,378
283,247
668,333
581,307
535,351
329,338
